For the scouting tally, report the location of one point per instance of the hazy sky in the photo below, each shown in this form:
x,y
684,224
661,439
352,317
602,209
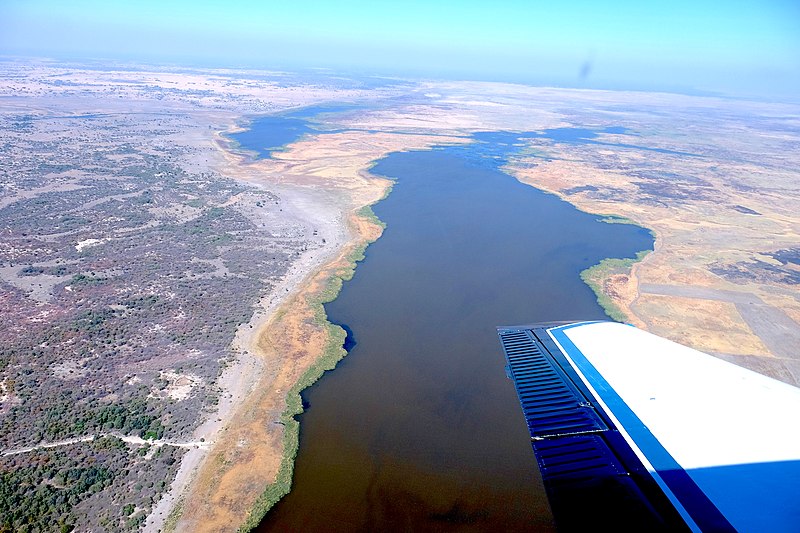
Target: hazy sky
x,y
728,46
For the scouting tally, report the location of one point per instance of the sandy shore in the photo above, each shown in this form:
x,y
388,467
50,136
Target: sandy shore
x,y
239,380
323,183
253,364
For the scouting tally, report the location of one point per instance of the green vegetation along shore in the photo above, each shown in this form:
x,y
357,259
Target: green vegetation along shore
x,y
333,353
594,277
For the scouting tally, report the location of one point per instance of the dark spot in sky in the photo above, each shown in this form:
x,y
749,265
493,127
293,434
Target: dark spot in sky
x,y
586,69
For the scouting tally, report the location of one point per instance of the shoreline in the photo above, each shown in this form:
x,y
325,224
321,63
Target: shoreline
x,y
330,357
312,282
615,279
615,301
314,279
249,363
598,276
692,299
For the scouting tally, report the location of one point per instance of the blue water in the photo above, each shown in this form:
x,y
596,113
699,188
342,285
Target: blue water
x,y
270,133
576,136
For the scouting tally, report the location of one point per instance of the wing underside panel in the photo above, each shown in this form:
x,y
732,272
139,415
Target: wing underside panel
x,y
592,476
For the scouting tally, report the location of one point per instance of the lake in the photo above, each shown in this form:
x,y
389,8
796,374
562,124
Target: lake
x,y
419,428
270,133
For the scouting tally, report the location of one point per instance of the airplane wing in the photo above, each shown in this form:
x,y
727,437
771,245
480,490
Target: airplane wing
x,y
635,432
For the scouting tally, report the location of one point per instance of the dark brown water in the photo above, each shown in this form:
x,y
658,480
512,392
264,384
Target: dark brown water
x,y
418,428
